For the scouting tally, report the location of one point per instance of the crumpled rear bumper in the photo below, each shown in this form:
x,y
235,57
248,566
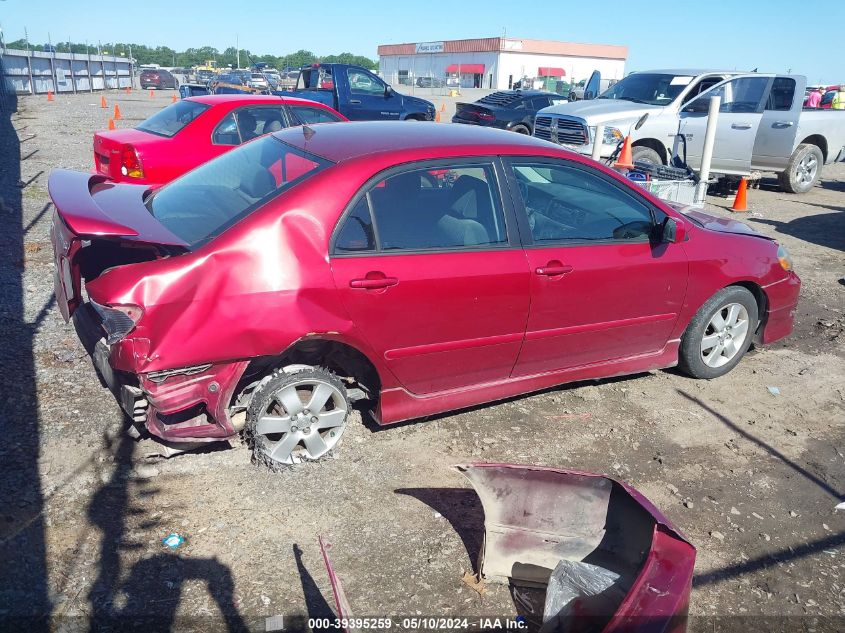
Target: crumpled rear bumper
x,y
185,404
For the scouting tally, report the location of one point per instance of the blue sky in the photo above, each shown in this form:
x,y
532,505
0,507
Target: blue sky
x,y
773,35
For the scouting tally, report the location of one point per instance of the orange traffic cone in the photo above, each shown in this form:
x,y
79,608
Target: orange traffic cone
x,y
103,103
437,117
443,107
174,99
626,158
741,201
111,124
116,112
151,94
49,95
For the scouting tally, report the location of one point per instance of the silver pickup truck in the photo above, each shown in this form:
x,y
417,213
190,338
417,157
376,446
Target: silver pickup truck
x,y
761,125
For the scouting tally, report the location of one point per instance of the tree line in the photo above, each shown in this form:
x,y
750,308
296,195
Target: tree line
x,y
166,56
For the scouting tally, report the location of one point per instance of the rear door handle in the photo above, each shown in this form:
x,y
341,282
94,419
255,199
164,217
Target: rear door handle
x,y
355,101
784,123
552,269
374,283
741,126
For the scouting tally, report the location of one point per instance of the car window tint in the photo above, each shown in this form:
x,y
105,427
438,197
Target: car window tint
x,y
245,124
453,207
169,121
538,103
363,83
781,95
740,95
307,115
565,203
357,233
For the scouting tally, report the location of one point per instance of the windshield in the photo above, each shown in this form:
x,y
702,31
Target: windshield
x,y
203,203
648,88
173,118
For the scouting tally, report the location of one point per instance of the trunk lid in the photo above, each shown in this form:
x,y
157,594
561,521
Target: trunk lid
x,y
108,145
473,111
92,213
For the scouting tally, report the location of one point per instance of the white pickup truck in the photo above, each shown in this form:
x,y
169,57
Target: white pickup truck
x,y
761,125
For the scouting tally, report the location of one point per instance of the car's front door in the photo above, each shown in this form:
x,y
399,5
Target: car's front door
x,y
369,97
432,278
602,287
740,113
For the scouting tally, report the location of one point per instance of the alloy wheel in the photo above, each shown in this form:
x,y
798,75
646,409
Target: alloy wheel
x,y
724,335
806,170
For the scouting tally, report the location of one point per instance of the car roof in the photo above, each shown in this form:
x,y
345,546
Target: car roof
x,y
346,141
692,71
245,98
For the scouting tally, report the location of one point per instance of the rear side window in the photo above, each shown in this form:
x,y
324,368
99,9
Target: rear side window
x,y
203,203
781,95
169,121
245,124
307,115
449,207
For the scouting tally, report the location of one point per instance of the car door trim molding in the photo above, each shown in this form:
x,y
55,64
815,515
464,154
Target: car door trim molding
x,y
589,327
450,346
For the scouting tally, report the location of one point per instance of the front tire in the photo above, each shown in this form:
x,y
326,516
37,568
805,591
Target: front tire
x,y
646,155
520,129
719,334
803,170
296,416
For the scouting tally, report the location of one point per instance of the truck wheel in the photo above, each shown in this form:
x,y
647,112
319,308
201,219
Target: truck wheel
x,y
296,416
573,96
803,170
520,129
646,155
719,334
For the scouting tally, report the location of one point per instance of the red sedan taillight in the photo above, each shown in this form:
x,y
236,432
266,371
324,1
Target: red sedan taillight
x,y
130,162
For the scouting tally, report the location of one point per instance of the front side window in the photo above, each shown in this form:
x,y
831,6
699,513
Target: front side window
x,y
361,82
206,201
170,121
448,207
740,95
572,204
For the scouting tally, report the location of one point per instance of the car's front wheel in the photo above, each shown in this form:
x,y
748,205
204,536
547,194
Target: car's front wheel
x,y
296,415
719,334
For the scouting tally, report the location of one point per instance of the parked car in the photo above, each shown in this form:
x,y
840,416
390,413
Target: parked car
x,y
508,109
268,289
359,94
205,76
430,82
158,79
578,90
196,129
827,99
761,126
257,80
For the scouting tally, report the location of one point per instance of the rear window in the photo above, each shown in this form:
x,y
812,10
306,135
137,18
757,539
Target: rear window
x,y
203,203
173,118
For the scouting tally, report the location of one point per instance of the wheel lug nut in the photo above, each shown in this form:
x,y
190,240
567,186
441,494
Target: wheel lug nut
x,y
314,419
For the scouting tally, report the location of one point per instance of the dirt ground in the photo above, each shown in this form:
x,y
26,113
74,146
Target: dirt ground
x,y
751,476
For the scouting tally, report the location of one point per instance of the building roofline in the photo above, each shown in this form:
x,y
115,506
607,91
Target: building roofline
x,y
513,45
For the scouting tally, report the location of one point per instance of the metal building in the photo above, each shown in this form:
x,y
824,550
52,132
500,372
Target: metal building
x,y
498,62
34,72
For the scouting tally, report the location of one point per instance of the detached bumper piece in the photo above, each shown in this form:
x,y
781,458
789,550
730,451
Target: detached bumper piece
x,y
601,555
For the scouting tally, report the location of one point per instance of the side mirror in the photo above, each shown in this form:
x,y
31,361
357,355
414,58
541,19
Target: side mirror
x,y
388,91
674,232
698,106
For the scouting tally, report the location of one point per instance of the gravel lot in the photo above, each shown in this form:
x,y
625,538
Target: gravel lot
x,y
751,477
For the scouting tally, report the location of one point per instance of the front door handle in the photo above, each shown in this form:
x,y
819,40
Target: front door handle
x,y
373,282
784,123
741,126
355,102
554,269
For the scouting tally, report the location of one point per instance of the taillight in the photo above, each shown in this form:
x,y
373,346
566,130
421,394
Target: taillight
x,y
485,116
130,162
117,321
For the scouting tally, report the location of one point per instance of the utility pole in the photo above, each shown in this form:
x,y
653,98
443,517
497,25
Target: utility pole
x,y
237,51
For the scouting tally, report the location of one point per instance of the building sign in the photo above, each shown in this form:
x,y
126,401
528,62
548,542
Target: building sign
x,y
429,47
512,45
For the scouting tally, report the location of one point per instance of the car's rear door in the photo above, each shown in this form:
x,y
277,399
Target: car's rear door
x,y
778,126
602,289
427,263
740,114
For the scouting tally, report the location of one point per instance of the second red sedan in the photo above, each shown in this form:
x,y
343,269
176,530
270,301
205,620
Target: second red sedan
x,y
195,130
268,289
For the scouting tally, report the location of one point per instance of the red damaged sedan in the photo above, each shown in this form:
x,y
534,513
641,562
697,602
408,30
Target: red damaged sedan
x,y
267,290
192,131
